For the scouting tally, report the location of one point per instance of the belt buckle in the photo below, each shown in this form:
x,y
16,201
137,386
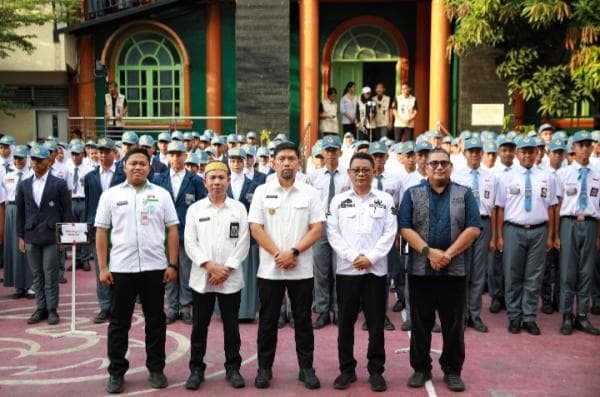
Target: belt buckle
x,y
580,218
527,226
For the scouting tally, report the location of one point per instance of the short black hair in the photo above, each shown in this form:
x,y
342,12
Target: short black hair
x,y
136,150
362,156
438,150
286,146
331,91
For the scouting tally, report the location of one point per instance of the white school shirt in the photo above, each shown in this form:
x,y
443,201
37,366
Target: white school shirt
x,y
38,187
510,195
319,179
362,226
10,179
487,187
568,186
286,215
106,176
392,185
412,179
237,183
138,219
208,237
348,105
83,170
176,180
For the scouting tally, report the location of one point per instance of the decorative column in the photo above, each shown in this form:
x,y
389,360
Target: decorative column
x,y
309,72
421,85
214,104
439,70
86,88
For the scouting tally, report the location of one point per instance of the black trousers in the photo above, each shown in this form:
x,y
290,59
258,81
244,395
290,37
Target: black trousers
x,y
447,295
151,289
203,307
270,293
370,290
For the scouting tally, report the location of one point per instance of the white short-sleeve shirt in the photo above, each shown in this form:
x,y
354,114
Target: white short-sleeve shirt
x,y
137,220
286,215
487,187
568,186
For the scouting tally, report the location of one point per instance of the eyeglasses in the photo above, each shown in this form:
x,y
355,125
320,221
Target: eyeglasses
x,y
443,163
357,171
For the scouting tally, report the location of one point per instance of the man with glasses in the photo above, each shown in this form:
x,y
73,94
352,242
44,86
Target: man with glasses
x,y
440,220
286,218
361,228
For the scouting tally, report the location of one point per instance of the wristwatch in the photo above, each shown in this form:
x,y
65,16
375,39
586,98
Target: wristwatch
x,y
295,251
425,251
173,267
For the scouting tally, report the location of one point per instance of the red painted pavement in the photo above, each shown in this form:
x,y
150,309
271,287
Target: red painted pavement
x,y
497,363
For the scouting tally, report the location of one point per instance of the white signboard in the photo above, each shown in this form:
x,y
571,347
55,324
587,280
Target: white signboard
x,y
70,233
487,114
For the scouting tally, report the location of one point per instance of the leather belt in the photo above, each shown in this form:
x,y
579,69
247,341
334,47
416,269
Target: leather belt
x,y
527,226
483,217
78,198
579,218
12,202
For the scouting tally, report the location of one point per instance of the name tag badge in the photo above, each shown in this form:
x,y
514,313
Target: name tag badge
x,y
145,218
571,191
594,192
544,192
120,203
189,199
514,190
486,194
204,219
234,230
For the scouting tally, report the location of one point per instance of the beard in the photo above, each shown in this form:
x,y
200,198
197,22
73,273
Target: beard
x,y
287,174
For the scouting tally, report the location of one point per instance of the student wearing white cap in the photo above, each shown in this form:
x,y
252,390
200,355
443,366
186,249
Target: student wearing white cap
x,y
367,110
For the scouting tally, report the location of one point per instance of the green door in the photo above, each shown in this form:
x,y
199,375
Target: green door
x,y
341,74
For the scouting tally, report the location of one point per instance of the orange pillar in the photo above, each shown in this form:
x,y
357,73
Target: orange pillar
x,y
421,88
86,89
214,99
309,71
439,70
519,109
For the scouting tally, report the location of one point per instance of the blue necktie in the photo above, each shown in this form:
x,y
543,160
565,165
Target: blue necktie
x,y
475,184
379,182
583,173
331,187
528,190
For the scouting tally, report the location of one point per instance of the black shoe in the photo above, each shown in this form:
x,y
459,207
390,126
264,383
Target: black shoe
x,y
583,324
309,378
364,326
388,325
282,320
477,324
195,379
21,293
235,379
115,384
292,322
62,280
186,318
86,266
334,318
69,269
158,380
53,318
514,327
344,380
101,317
398,306
406,326
37,316
436,328
495,306
547,308
263,377
595,309
454,382
567,325
418,379
172,317
531,327
30,295
377,382
322,321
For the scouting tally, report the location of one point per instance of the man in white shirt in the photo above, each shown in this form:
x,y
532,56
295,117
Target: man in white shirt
x,y
361,228
217,240
483,187
329,181
76,173
286,218
138,215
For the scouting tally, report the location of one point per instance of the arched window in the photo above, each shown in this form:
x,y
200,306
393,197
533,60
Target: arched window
x,y
365,43
149,72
